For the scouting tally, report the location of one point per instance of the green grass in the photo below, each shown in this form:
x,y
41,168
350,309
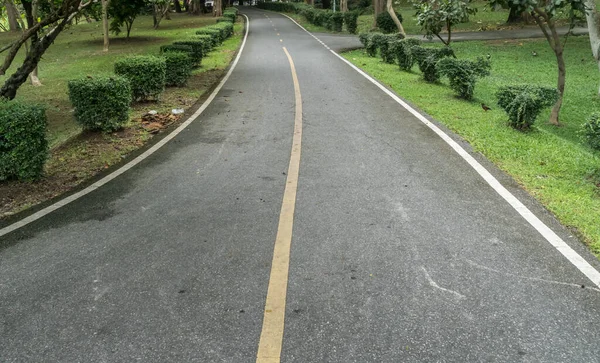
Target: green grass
x,y
78,52
550,162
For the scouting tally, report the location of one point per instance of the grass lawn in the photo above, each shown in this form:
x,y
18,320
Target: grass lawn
x,y
550,162
77,156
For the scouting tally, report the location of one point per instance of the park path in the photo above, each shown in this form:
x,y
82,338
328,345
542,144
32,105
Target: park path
x,y
400,251
339,42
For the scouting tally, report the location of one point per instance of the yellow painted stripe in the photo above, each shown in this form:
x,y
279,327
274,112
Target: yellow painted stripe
x,y
271,337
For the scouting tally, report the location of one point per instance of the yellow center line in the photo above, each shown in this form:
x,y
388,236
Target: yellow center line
x,y
271,337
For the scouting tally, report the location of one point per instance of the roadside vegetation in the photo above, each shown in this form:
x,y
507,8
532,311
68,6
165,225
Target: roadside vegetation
x,y
555,164
77,60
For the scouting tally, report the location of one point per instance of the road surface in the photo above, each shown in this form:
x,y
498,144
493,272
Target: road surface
x,y
400,251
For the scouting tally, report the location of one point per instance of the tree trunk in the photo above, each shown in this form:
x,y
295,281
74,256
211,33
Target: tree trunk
x,y
592,23
562,71
35,80
218,8
177,6
343,6
105,23
310,2
378,8
326,4
390,10
13,14
515,17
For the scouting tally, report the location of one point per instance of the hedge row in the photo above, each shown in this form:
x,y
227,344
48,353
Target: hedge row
x,y
102,103
522,103
331,20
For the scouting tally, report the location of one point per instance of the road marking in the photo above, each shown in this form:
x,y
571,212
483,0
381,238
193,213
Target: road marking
x,y
271,337
61,203
585,267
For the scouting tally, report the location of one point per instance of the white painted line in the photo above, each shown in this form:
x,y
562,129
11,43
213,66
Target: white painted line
x,y
134,162
571,255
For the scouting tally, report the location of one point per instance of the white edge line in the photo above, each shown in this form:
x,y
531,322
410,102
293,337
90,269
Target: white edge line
x,y
566,250
61,203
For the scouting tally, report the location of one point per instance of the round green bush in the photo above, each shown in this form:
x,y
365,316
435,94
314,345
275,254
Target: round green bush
x,y
523,103
213,33
146,74
463,74
23,145
590,131
386,24
179,68
101,103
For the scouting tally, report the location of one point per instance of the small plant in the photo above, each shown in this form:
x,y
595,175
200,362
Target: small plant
x,y
224,18
146,75
590,131
23,145
351,21
402,51
101,103
385,23
337,21
179,68
463,74
523,103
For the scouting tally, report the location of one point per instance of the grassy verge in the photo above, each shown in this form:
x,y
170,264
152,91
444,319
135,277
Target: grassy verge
x,y
77,156
549,162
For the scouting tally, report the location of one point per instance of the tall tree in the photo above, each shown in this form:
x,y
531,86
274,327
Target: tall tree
x,y
434,16
544,13
390,9
177,5
379,6
591,16
13,15
57,16
218,8
124,12
159,10
105,4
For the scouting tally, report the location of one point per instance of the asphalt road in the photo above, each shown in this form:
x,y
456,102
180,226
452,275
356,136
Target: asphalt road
x,y
401,252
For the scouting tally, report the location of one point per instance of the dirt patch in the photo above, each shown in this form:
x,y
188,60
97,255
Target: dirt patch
x,y
90,153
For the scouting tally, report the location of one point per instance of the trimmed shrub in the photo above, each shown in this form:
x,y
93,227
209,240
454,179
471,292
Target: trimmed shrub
x,y
427,58
309,14
207,42
215,34
463,74
23,145
101,103
375,41
337,21
401,50
590,131
523,103
146,74
197,47
351,21
277,6
224,19
385,23
226,29
179,68
231,13
386,49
